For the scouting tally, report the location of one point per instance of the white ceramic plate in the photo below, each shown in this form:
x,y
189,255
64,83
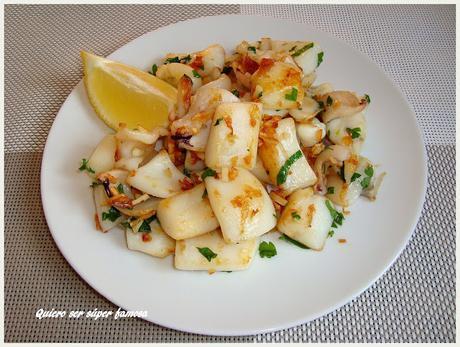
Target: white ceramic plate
x,y
295,286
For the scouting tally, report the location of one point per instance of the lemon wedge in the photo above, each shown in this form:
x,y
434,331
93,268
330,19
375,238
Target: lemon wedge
x,y
123,94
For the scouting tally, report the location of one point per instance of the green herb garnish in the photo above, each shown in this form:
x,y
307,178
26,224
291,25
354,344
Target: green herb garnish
x,y
252,49
85,166
320,58
236,93
261,93
293,48
186,59
207,253
196,74
337,217
302,50
355,176
126,225
368,98
154,69
293,95
145,226
267,250
330,233
112,214
354,133
172,60
282,174
120,188
207,173
295,215
369,171
294,242
330,190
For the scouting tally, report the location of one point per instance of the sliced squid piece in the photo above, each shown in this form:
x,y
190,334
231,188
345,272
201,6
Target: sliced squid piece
x,y
103,157
141,135
242,206
348,131
333,155
345,186
281,155
277,85
107,216
308,80
210,98
308,56
159,177
275,113
129,163
223,82
155,243
260,172
340,104
172,73
306,219
311,132
194,161
215,255
212,57
321,89
142,209
184,95
309,109
234,134
187,214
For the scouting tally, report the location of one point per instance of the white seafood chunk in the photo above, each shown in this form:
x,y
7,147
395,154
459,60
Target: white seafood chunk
x,y
242,206
260,172
340,103
229,257
308,56
155,243
233,137
277,85
279,145
172,73
223,82
348,131
309,109
103,157
187,214
311,132
306,219
212,57
159,177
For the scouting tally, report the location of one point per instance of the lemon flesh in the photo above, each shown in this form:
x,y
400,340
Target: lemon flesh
x,y
123,94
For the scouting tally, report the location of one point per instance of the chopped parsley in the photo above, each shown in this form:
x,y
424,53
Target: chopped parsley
x,y
282,174
120,188
154,69
112,214
196,74
261,93
207,173
294,242
369,171
218,120
354,133
295,215
267,249
186,59
330,190
84,166
293,48
355,176
252,49
302,50
207,253
368,98
236,93
330,233
329,100
145,226
320,58
293,95
172,60
337,217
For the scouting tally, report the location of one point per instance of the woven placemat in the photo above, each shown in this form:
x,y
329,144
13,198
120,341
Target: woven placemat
x,y
413,301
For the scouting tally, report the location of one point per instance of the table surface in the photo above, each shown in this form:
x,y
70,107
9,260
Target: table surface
x,y
414,301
